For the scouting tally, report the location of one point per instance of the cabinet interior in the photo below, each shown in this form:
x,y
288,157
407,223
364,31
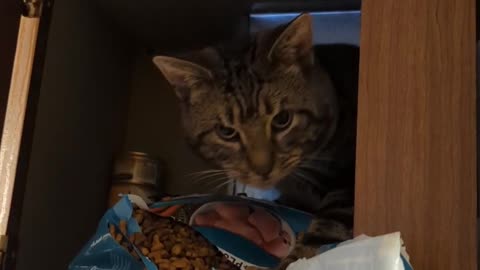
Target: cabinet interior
x,y
101,95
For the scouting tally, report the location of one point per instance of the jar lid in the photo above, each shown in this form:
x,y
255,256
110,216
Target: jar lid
x,y
139,168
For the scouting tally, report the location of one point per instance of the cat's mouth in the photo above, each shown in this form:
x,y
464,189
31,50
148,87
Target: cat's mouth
x,y
260,182
263,184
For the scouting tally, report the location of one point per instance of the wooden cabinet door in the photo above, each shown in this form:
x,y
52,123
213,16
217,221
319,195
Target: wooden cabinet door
x,y
22,49
416,147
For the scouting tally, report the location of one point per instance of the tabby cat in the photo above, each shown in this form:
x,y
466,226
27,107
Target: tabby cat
x,y
279,113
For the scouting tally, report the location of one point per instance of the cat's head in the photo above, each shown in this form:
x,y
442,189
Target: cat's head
x,y
258,114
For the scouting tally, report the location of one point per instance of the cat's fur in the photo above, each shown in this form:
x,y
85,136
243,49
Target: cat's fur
x,y
280,113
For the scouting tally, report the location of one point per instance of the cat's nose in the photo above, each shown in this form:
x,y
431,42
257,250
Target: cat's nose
x,y
265,176
262,163
264,170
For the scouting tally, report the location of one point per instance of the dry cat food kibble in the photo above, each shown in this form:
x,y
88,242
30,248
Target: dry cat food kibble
x,y
193,232
169,244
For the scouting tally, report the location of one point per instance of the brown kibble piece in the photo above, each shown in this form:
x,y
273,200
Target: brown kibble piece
x,y
163,266
177,250
180,264
123,226
203,252
119,237
157,246
197,264
112,230
189,264
139,238
156,256
145,251
184,232
167,261
139,218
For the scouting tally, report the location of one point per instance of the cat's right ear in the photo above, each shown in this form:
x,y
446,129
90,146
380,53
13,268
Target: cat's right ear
x,y
183,75
294,45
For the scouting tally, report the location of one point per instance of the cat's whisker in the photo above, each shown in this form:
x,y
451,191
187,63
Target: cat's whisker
x,y
209,180
223,184
208,176
316,158
204,172
291,163
305,177
294,175
315,169
213,183
299,178
215,179
313,165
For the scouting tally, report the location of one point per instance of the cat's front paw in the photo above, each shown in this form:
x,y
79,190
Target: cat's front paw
x,y
285,263
299,252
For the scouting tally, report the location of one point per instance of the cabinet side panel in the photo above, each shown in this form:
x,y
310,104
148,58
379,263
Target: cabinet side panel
x,y
416,159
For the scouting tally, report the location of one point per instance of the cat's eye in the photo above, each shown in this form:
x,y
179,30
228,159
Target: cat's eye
x,y
226,133
282,120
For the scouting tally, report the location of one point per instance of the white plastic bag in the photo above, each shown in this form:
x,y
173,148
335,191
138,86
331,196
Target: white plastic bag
x,y
362,253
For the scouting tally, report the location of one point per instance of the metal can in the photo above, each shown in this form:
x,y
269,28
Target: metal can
x,y
136,173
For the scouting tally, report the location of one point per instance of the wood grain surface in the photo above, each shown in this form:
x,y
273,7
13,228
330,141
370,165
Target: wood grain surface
x,y
416,153
15,114
10,11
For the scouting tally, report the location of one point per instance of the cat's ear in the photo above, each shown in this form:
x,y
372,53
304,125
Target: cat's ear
x,y
183,75
295,42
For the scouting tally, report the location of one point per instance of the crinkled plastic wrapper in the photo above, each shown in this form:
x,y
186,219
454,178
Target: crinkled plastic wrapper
x,y
383,252
102,252
247,231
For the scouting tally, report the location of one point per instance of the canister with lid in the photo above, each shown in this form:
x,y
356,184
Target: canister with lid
x,y
136,173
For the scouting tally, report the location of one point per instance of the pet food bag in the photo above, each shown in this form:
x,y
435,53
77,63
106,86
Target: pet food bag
x,y
103,252
136,238
247,232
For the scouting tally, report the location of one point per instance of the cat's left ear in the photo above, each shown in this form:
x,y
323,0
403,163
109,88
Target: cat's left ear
x,y
181,73
294,44
183,76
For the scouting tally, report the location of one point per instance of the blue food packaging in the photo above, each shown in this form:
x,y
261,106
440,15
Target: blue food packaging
x,y
102,252
240,250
